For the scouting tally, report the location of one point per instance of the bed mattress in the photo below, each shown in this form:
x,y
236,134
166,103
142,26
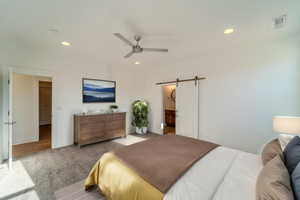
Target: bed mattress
x,y
223,174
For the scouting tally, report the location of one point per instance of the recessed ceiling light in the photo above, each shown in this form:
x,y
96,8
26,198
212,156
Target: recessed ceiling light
x,y
66,43
137,63
228,31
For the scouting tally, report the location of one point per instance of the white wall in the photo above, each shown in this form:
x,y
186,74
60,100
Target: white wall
x,y
66,95
4,100
67,92
245,88
129,88
1,117
67,99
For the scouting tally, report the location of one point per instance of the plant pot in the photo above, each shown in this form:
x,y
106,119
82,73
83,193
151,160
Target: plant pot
x,y
145,130
141,131
114,110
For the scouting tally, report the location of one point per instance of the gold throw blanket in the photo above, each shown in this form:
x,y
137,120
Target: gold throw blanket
x,y
118,182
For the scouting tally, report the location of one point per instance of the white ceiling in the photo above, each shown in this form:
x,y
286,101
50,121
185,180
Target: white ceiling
x,y
187,28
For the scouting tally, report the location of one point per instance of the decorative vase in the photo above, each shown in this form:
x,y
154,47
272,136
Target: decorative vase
x,y
141,131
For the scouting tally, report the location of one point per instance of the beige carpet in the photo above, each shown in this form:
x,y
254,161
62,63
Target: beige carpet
x,y
76,191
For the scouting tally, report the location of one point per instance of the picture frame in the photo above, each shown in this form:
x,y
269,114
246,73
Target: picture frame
x,y
98,91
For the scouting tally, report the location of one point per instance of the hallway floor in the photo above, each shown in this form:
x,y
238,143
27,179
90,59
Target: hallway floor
x,y
32,147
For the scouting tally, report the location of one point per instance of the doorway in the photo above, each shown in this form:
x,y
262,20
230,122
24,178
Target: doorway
x,y
32,109
169,109
181,108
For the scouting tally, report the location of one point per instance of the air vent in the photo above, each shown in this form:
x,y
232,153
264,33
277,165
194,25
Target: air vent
x,y
280,21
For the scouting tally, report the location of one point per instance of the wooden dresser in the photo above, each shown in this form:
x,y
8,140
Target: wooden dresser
x,y
92,128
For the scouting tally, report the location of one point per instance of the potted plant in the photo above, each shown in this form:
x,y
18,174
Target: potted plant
x,y
113,108
140,111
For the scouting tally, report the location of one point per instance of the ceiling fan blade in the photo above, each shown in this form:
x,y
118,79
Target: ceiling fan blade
x,y
155,49
121,37
129,54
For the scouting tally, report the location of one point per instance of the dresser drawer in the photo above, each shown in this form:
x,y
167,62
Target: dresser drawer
x,y
118,116
92,119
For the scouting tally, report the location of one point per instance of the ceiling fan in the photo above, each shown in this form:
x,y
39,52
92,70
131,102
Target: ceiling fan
x,y
136,48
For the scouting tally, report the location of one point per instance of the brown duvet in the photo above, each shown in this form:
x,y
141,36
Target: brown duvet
x,y
161,161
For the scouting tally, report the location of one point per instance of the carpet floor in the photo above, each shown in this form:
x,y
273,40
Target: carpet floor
x,y
52,170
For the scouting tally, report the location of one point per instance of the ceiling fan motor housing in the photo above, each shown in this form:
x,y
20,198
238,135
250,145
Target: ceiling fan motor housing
x,y
137,49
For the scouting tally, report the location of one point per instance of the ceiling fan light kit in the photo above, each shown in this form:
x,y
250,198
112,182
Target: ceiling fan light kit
x,y
136,48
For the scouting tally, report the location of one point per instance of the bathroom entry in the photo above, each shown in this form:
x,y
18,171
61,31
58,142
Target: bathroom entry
x,y
180,107
169,109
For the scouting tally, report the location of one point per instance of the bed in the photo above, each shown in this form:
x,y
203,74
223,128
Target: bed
x,y
221,174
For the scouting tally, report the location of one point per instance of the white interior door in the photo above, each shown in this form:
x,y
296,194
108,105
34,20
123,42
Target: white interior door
x,y
7,115
187,109
10,122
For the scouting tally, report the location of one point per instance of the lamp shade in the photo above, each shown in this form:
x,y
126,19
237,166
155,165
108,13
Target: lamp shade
x,y
285,124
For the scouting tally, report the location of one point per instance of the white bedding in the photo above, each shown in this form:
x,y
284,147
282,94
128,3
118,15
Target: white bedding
x,y
223,174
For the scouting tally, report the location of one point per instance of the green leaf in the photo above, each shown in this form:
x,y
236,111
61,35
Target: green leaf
x,y
140,110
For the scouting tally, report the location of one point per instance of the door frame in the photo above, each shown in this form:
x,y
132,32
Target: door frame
x,y
10,118
6,147
24,71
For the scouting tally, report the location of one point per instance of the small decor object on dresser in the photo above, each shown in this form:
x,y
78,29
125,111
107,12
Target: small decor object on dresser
x,y
140,111
98,91
114,108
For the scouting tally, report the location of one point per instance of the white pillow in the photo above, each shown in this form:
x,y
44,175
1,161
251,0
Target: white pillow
x,y
284,139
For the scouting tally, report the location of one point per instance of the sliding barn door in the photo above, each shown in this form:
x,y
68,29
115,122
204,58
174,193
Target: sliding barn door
x,y
187,109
